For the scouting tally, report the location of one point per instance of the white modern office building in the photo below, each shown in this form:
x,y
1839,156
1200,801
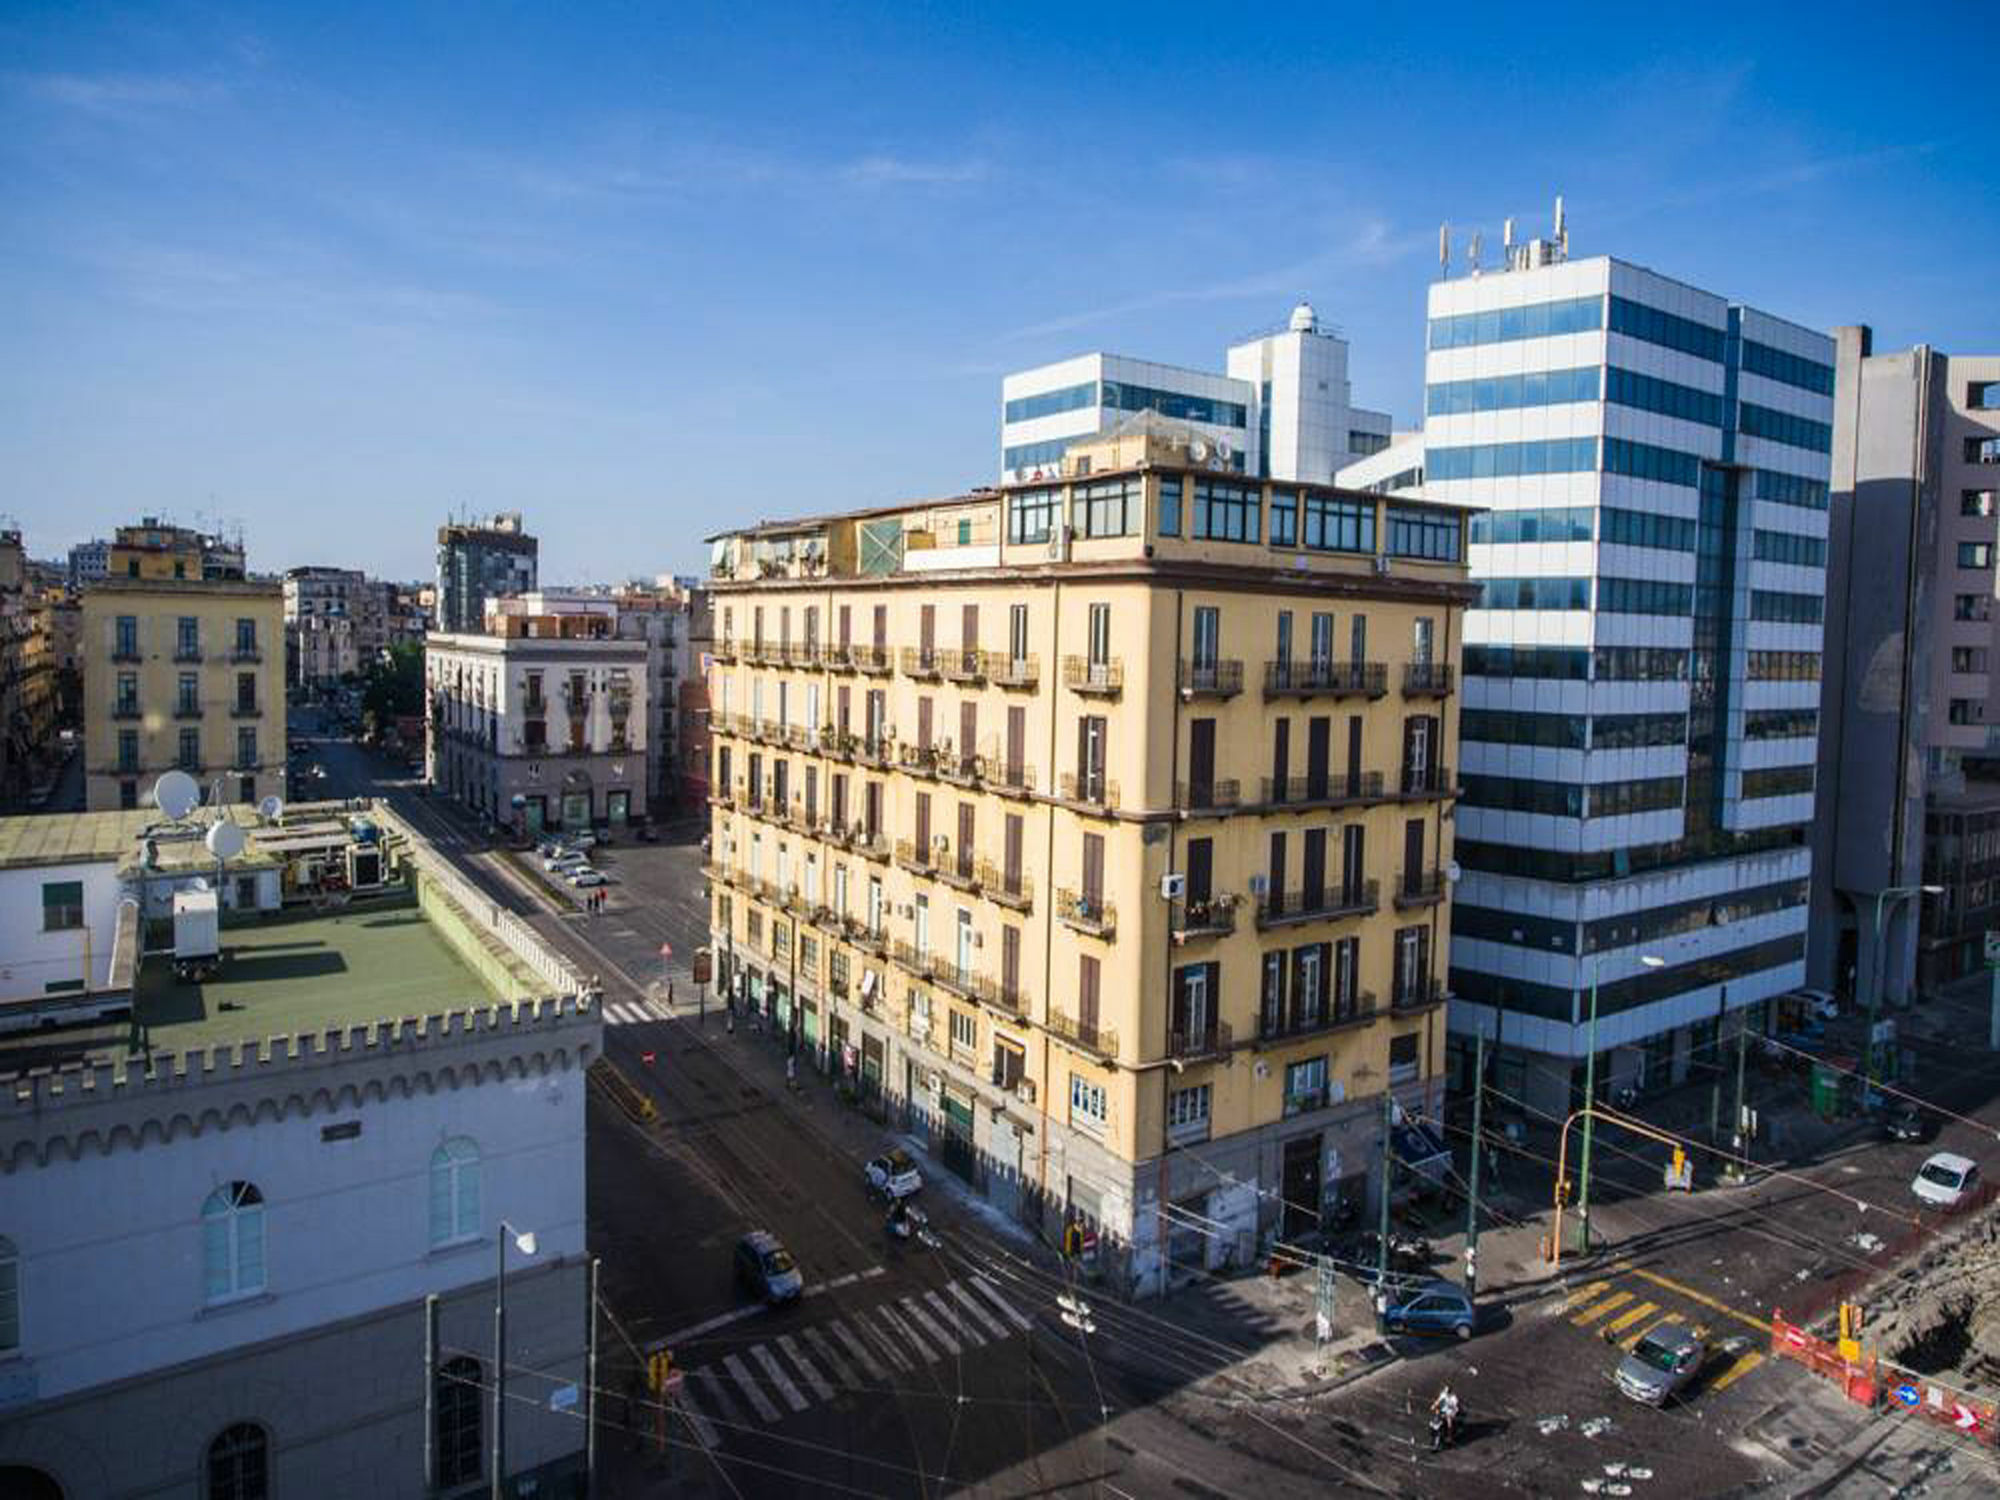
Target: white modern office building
x,y
1283,410
1642,669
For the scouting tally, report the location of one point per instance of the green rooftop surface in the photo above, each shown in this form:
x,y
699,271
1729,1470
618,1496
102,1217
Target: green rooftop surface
x,y
307,973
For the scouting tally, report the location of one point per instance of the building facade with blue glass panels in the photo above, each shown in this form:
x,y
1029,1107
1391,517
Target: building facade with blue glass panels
x,y
1630,438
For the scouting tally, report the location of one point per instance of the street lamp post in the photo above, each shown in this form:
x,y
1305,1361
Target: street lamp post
x,y
1878,974
1590,1101
525,1243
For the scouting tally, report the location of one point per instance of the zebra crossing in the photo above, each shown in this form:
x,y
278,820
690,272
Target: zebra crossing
x,y
634,1012
1624,1315
792,1372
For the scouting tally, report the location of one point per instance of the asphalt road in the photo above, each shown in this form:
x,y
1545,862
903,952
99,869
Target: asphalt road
x,y
913,1370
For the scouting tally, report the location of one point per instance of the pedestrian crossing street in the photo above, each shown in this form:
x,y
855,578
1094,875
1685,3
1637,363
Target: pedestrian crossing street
x,y
634,1012
876,1347
1625,1314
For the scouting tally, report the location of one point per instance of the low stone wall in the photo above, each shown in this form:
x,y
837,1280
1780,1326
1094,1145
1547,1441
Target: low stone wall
x,y
477,948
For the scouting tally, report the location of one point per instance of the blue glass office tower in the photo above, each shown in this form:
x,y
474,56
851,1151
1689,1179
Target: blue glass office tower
x,y
1642,671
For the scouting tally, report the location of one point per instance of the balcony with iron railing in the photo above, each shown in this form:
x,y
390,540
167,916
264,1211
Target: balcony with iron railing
x,y
873,939
874,660
922,662
724,648
1210,679
1192,921
959,767
1104,678
1426,679
918,760
1358,1010
1085,912
1416,995
125,711
838,657
1208,796
1009,780
1303,793
125,655
957,868
1093,793
871,844
1013,889
1415,888
1212,1041
188,655
1312,679
187,710
879,752
1091,1037
1331,903
1003,669
967,664
1420,783
245,655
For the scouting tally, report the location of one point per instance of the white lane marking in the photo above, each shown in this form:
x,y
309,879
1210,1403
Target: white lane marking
x,y
794,1397
953,1319
747,1384
806,1367
704,1430
978,1309
695,1330
715,1393
823,1347
898,1329
858,1347
993,1295
914,1308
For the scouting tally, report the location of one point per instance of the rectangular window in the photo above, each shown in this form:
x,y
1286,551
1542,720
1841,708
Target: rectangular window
x,y
1534,593
1971,554
1087,1107
187,639
1225,512
1803,551
1976,502
126,645
1972,607
1982,395
1305,1085
1982,450
1506,325
1050,403
1031,515
1511,392
62,905
1431,535
1646,461
1168,516
1572,455
1187,1112
189,756
1655,326
1106,509
1784,427
1546,524
1284,518
1787,369
1968,658
1333,524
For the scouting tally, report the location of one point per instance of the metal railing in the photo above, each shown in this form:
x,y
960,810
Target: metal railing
x,y
1208,796
1086,913
1419,994
1217,679
874,660
1306,679
1090,1036
1091,791
1017,891
1008,671
1428,781
1419,888
999,776
1276,908
1320,791
1214,916
1359,1010
1217,1038
921,661
1426,679
967,664
1085,676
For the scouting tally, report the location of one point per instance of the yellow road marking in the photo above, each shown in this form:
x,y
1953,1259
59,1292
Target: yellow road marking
x,y
1762,1325
1628,1318
1616,1299
1636,1334
1588,1294
1745,1363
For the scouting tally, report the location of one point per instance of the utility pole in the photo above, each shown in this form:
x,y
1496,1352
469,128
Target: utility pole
x,y
1478,1145
430,1392
1382,1215
1589,1118
1742,1122
1715,1089
590,1392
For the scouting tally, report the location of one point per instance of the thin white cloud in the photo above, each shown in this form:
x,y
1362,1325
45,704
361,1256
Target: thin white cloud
x,y
119,95
898,170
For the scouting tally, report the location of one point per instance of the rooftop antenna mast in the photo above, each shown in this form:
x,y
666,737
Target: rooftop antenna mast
x,y
1472,246
1444,251
1562,229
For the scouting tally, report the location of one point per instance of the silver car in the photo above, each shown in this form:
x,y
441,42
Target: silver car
x,y
1661,1364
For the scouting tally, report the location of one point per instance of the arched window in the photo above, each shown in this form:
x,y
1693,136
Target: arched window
x,y
454,1192
239,1464
232,1242
459,1403
10,1296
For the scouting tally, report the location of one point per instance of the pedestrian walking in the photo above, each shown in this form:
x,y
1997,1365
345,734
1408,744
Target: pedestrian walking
x,y
732,1021
670,989
792,1071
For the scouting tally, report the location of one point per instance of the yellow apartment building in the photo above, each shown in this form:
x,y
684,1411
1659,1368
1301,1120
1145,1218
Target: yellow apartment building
x,y
187,674
1099,831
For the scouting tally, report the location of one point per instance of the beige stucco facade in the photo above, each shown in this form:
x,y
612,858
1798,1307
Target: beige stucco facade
x,y
1023,850
207,697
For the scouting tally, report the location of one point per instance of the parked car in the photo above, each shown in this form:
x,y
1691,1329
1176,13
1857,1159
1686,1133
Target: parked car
x,y
569,859
893,1174
584,878
1660,1366
765,1268
1820,1003
1907,1120
1946,1180
582,839
1432,1307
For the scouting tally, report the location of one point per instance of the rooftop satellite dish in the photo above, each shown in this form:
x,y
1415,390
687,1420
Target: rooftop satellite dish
x,y
271,809
1198,450
1222,450
225,840
176,794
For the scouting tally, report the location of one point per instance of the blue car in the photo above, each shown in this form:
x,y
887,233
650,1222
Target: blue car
x,y
1430,1307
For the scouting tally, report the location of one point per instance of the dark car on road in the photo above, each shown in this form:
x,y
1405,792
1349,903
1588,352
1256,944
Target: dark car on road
x,y
1432,1307
766,1270
1906,1120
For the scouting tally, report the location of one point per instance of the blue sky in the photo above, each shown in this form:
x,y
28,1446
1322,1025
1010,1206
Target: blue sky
x,y
646,270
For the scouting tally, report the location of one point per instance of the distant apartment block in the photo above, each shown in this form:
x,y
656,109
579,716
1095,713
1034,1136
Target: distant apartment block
x,y
1282,410
481,560
1909,759
182,673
